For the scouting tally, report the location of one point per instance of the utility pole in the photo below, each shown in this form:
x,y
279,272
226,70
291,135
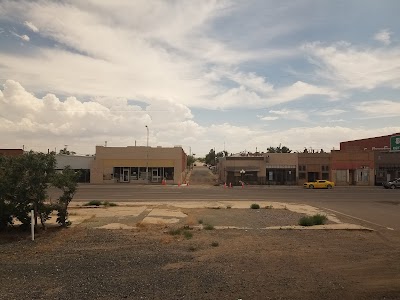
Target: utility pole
x,y
147,155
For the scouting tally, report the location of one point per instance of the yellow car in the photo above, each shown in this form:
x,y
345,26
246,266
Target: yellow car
x,y
319,184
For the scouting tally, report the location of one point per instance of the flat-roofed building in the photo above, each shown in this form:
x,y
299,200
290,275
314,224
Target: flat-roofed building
x,y
11,152
81,163
138,164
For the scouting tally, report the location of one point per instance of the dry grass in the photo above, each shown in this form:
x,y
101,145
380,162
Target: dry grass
x,y
190,220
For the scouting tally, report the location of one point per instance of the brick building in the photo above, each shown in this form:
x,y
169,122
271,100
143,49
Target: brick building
x,y
11,152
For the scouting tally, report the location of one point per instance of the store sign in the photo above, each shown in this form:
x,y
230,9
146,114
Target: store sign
x,y
395,143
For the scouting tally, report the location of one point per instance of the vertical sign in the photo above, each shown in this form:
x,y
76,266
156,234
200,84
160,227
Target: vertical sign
x,y
395,143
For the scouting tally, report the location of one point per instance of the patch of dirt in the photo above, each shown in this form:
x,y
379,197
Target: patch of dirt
x,y
151,264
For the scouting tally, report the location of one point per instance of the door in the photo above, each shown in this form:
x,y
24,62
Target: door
x,y
125,175
154,175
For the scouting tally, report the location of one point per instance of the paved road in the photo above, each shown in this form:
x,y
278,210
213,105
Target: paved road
x,y
373,205
370,206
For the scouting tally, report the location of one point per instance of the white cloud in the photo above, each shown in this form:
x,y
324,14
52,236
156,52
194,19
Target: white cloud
x,y
268,118
355,68
331,112
52,122
31,26
22,37
291,114
379,108
383,36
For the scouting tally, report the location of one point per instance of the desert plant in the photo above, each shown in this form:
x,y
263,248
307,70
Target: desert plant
x,y
200,221
319,219
214,244
93,203
313,220
107,203
268,207
229,206
175,231
208,227
187,234
254,206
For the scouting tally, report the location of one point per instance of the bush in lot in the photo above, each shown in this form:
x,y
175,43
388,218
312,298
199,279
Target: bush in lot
x,y
214,244
313,220
208,227
107,203
93,203
254,206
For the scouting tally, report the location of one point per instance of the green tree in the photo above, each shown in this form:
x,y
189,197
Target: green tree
x,y
66,152
190,160
67,182
23,184
279,149
210,157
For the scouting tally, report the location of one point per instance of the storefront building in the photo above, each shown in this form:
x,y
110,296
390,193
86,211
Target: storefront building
x,y
138,165
313,166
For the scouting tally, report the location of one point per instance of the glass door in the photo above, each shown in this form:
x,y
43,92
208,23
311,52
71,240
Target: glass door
x,y
125,175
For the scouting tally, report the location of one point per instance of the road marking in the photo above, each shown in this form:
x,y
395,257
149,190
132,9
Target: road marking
x,y
338,212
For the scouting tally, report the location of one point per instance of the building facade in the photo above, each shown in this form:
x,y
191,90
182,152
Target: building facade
x,y
11,152
76,163
138,165
281,168
250,169
313,166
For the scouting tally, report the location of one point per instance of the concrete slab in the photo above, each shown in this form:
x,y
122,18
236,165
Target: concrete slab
x,y
162,212
155,220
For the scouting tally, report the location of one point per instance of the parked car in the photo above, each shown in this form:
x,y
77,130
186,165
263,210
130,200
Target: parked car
x,y
319,184
392,184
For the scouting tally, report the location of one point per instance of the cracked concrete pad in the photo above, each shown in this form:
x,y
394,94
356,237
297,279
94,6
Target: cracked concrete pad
x,y
155,220
160,212
116,226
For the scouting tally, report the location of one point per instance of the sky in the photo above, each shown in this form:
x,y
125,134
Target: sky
x,y
234,75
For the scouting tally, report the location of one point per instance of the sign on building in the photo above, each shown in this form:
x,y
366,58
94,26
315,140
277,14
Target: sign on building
x,y
395,143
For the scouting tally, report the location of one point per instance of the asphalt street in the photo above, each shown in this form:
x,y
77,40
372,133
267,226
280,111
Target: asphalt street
x,y
371,206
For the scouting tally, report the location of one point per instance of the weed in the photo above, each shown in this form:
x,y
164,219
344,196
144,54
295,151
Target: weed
x,y
254,206
93,203
285,208
268,207
208,227
214,244
175,231
200,221
313,220
229,206
107,203
188,235
319,219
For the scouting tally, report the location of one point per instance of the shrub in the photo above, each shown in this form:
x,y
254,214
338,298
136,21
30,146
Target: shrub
x,y
214,244
107,203
268,207
313,220
188,235
208,227
254,206
319,219
175,231
200,221
229,206
93,203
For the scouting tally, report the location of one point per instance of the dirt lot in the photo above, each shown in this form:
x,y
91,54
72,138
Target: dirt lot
x,y
149,263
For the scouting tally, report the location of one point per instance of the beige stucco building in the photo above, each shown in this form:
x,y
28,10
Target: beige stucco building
x,y
265,168
138,165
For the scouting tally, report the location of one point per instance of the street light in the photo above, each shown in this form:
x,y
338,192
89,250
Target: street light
x,y
242,172
147,155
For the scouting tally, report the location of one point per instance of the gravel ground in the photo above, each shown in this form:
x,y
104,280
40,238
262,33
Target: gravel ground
x,y
252,218
86,263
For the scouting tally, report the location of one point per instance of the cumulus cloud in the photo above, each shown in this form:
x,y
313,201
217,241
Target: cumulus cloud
x,y
383,36
31,26
51,121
